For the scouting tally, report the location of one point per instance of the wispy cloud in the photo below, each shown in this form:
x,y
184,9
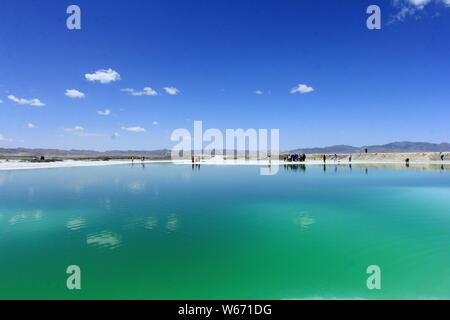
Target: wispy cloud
x,y
32,102
155,123
73,93
408,8
80,132
127,90
302,88
5,139
147,91
32,126
171,90
76,128
105,112
103,76
134,129
88,134
258,92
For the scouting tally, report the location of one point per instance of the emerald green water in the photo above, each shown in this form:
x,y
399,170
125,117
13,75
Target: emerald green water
x,y
225,232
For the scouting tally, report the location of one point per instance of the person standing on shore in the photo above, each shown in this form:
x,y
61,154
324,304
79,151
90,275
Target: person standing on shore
x,y
324,158
441,155
350,158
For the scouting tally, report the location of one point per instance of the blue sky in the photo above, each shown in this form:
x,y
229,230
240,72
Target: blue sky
x,y
370,86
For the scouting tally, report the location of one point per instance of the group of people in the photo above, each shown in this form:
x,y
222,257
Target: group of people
x,y
295,158
134,158
336,158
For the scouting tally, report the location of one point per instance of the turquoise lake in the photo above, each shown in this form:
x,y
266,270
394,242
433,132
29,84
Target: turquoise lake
x,y
168,231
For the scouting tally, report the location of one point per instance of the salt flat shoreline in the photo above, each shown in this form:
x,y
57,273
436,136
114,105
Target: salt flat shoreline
x,y
24,165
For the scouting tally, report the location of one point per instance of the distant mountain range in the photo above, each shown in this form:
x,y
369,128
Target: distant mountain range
x,y
392,147
165,153
25,152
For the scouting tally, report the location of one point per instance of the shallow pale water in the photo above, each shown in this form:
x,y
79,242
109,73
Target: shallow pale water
x,y
225,232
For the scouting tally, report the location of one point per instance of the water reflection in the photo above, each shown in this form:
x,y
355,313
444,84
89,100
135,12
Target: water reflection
x,y
295,167
35,215
172,223
142,165
31,193
304,221
136,186
106,204
104,239
150,223
76,224
366,166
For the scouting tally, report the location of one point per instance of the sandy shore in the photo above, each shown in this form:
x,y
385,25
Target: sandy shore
x,y
416,160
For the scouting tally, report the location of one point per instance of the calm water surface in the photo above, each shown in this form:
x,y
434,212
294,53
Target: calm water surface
x,y
225,232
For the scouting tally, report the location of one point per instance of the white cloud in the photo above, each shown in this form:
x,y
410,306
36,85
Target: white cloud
x,y
302,88
171,90
105,112
3,138
134,129
1,101
32,126
32,102
413,7
88,134
258,92
115,135
73,93
147,91
103,76
76,128
80,132
419,3
155,123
